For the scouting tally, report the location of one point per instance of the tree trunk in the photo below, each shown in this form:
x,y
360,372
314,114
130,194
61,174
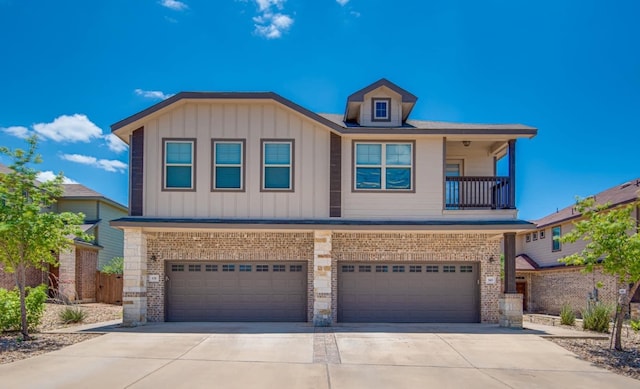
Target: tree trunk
x,y
22,280
623,302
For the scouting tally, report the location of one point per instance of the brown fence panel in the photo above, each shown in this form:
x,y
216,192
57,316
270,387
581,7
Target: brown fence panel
x,y
109,288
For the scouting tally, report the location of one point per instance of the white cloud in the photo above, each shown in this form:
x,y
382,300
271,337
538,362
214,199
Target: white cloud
x,y
152,94
64,128
342,2
18,131
355,13
174,5
109,165
271,24
115,144
48,175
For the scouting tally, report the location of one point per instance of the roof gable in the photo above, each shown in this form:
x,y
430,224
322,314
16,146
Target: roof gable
x,y
407,97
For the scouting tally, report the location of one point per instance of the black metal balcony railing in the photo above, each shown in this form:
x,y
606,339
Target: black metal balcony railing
x,y
477,193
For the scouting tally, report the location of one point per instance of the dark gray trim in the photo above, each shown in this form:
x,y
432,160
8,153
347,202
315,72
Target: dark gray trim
x,y
163,187
358,96
341,129
512,173
335,176
225,95
136,173
510,262
373,109
243,141
444,172
382,190
331,223
293,160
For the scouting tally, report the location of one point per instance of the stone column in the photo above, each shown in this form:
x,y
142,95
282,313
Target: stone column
x,y
134,296
510,303
322,278
67,274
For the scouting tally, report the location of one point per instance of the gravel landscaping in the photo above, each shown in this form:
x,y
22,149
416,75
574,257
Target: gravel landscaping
x,y
600,353
13,349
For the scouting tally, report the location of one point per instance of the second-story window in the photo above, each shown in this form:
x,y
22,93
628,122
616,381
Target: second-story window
x,y
178,163
277,165
381,110
556,245
228,164
383,166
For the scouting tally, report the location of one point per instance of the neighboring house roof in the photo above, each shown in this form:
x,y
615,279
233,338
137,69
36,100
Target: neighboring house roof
x,y
333,121
617,195
81,192
4,169
524,262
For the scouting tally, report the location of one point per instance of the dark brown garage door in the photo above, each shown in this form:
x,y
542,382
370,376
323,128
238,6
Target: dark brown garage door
x,y
233,291
408,293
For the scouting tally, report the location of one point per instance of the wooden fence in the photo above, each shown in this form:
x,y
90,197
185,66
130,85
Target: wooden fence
x,y
109,288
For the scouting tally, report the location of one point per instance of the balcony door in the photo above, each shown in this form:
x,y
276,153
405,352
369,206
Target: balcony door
x,y
453,168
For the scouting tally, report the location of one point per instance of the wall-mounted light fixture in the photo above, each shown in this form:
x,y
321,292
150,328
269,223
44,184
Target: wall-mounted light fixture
x,y
466,143
154,258
491,259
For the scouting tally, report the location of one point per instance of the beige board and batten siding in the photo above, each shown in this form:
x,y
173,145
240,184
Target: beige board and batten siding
x,y
111,239
540,250
425,201
234,120
476,160
395,106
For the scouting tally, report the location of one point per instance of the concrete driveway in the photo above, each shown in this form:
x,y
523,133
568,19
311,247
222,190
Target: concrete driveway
x,y
259,355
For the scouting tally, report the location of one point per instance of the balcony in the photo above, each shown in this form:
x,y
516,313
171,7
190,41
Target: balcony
x,y
478,193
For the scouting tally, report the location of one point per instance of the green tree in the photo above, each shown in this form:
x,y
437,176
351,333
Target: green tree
x,y
30,234
613,244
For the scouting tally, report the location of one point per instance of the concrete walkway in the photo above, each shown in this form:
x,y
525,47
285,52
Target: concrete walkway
x,y
268,355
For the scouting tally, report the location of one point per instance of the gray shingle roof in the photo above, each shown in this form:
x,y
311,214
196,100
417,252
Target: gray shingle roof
x,y
617,195
79,190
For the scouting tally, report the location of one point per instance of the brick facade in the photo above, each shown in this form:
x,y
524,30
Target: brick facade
x,y
34,277
223,246
484,249
146,253
549,290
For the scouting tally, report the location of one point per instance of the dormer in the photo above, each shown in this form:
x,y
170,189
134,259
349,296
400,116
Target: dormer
x,y
381,104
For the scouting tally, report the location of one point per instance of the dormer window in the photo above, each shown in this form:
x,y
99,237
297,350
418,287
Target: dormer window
x,y
381,110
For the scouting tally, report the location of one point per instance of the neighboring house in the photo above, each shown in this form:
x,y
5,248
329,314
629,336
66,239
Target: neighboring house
x,y
249,207
548,284
75,277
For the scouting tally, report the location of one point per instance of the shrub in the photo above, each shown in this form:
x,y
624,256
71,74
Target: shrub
x,y
10,307
72,314
596,317
115,266
567,316
635,325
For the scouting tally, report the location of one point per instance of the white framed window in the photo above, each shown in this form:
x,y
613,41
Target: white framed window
x,y
383,166
228,164
381,110
178,164
277,165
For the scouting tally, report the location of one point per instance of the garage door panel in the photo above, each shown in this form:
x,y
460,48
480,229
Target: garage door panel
x,y
412,292
221,292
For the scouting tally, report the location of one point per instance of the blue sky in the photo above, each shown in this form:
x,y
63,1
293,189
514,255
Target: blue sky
x,y
70,69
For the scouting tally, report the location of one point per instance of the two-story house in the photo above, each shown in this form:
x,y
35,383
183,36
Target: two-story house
x,y
548,284
75,277
249,207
